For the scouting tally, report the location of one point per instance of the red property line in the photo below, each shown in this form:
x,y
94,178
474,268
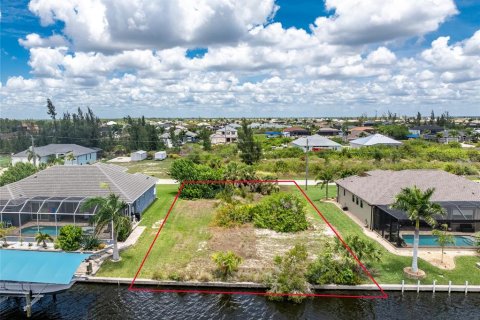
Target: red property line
x,y
132,288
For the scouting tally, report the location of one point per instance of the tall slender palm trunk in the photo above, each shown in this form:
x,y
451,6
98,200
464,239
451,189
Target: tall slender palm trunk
x,y
116,256
416,239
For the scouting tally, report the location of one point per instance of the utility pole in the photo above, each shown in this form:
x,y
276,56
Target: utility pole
x,y
33,152
306,167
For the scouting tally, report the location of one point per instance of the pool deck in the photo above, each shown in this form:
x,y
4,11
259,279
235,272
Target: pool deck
x,y
432,255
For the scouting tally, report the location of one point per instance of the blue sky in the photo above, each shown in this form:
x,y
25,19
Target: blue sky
x,y
336,58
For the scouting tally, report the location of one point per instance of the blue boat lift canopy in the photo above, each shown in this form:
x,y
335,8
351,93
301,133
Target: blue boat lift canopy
x,y
39,266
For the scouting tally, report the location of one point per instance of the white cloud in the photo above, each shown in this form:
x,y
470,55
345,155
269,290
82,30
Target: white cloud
x,y
34,40
451,61
381,56
131,53
369,21
115,25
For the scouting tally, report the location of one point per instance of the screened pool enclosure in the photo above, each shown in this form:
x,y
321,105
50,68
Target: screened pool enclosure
x,y
47,214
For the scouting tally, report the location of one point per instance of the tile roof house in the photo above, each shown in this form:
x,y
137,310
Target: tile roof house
x,y
58,192
225,134
316,143
295,132
328,132
374,140
83,155
369,197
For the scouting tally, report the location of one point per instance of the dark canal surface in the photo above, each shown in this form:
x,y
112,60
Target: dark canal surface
x,y
91,301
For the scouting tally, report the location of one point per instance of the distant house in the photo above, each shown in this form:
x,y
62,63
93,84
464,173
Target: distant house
x,y
82,155
53,197
316,143
187,136
359,132
138,155
329,132
370,195
160,155
295,132
426,129
225,134
374,140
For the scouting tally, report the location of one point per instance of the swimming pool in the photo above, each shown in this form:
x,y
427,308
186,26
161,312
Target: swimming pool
x,y
31,231
431,241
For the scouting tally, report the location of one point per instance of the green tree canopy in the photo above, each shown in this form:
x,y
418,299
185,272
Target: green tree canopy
x,y
250,148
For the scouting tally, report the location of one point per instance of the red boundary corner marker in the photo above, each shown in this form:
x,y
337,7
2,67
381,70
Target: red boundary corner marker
x,y
132,284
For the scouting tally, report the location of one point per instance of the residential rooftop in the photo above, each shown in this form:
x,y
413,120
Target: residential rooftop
x,y
315,140
80,181
52,149
379,187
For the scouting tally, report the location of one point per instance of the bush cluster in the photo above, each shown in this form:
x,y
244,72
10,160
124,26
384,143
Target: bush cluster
x,y
70,238
280,212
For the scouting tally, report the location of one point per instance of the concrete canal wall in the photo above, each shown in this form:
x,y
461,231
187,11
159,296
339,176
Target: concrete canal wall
x,y
250,285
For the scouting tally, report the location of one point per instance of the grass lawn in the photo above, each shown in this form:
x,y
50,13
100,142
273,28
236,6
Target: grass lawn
x,y
131,258
185,236
4,161
158,169
390,268
182,235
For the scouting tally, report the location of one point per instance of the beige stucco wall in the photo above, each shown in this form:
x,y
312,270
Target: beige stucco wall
x,y
363,214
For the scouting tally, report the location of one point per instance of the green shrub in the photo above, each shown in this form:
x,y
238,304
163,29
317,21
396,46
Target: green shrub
x,y
460,169
289,275
124,230
17,172
90,242
330,270
227,262
233,215
281,212
70,238
185,170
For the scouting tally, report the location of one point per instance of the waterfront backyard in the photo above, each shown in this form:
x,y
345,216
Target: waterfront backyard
x,y
183,249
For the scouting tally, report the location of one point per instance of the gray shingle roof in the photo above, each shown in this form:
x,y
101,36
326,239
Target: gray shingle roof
x,y
375,139
58,148
379,187
315,141
80,181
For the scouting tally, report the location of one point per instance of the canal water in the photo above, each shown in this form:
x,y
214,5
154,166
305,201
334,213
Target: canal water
x,y
92,301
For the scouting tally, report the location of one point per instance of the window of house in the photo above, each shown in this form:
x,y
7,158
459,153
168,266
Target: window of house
x,y
356,201
361,203
344,192
353,198
463,213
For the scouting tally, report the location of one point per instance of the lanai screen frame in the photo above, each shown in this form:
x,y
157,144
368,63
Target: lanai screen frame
x,y
19,205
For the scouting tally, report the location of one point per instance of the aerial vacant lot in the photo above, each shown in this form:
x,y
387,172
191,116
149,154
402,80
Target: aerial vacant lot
x,y
185,245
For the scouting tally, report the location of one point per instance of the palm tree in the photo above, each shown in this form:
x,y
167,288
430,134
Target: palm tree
x,y
110,210
443,237
326,175
43,238
417,205
4,232
69,156
32,155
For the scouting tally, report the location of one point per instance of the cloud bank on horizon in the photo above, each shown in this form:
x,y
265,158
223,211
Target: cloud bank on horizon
x,y
232,58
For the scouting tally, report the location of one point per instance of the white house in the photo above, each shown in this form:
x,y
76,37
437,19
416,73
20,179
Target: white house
x,y
81,155
226,134
160,155
316,143
374,140
138,155
187,136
